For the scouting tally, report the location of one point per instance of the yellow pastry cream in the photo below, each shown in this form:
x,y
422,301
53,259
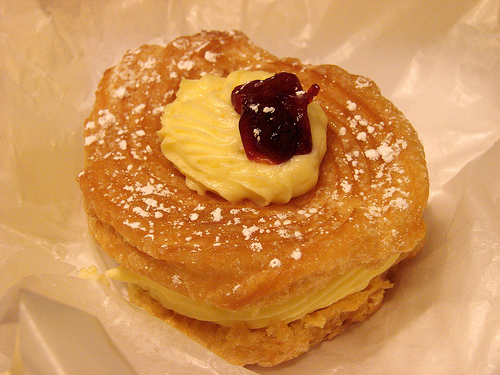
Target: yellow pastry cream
x,y
258,317
200,136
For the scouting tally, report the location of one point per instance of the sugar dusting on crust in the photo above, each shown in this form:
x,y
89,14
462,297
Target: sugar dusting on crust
x,y
378,149
121,133
142,201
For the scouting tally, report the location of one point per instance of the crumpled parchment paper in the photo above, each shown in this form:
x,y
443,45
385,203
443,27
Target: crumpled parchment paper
x,y
439,62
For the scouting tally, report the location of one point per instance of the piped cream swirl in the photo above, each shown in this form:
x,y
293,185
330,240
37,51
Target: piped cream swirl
x,y
201,137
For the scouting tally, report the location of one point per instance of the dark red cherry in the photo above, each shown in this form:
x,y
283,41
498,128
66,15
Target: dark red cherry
x,y
274,125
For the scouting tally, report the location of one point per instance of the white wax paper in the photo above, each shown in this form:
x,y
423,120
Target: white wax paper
x,y
438,61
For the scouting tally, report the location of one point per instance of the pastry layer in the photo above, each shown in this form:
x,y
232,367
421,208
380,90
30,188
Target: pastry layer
x,y
366,206
279,342
258,317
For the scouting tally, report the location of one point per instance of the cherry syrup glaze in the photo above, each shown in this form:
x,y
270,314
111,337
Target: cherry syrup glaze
x,y
274,125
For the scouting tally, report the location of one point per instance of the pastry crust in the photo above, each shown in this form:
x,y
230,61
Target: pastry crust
x,y
367,204
279,342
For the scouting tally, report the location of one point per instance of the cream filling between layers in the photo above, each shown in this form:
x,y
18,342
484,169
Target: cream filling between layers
x,y
200,136
258,317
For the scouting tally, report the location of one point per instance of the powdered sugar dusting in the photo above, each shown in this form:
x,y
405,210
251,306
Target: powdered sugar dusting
x,y
351,106
217,214
249,231
210,56
296,254
185,64
169,219
275,263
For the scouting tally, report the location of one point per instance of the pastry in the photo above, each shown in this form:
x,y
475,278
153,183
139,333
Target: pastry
x,y
256,280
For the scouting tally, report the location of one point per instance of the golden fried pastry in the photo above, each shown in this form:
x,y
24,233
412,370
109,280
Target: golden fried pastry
x,y
254,283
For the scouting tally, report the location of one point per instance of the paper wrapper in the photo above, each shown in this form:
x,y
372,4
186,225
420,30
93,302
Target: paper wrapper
x,y
437,61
